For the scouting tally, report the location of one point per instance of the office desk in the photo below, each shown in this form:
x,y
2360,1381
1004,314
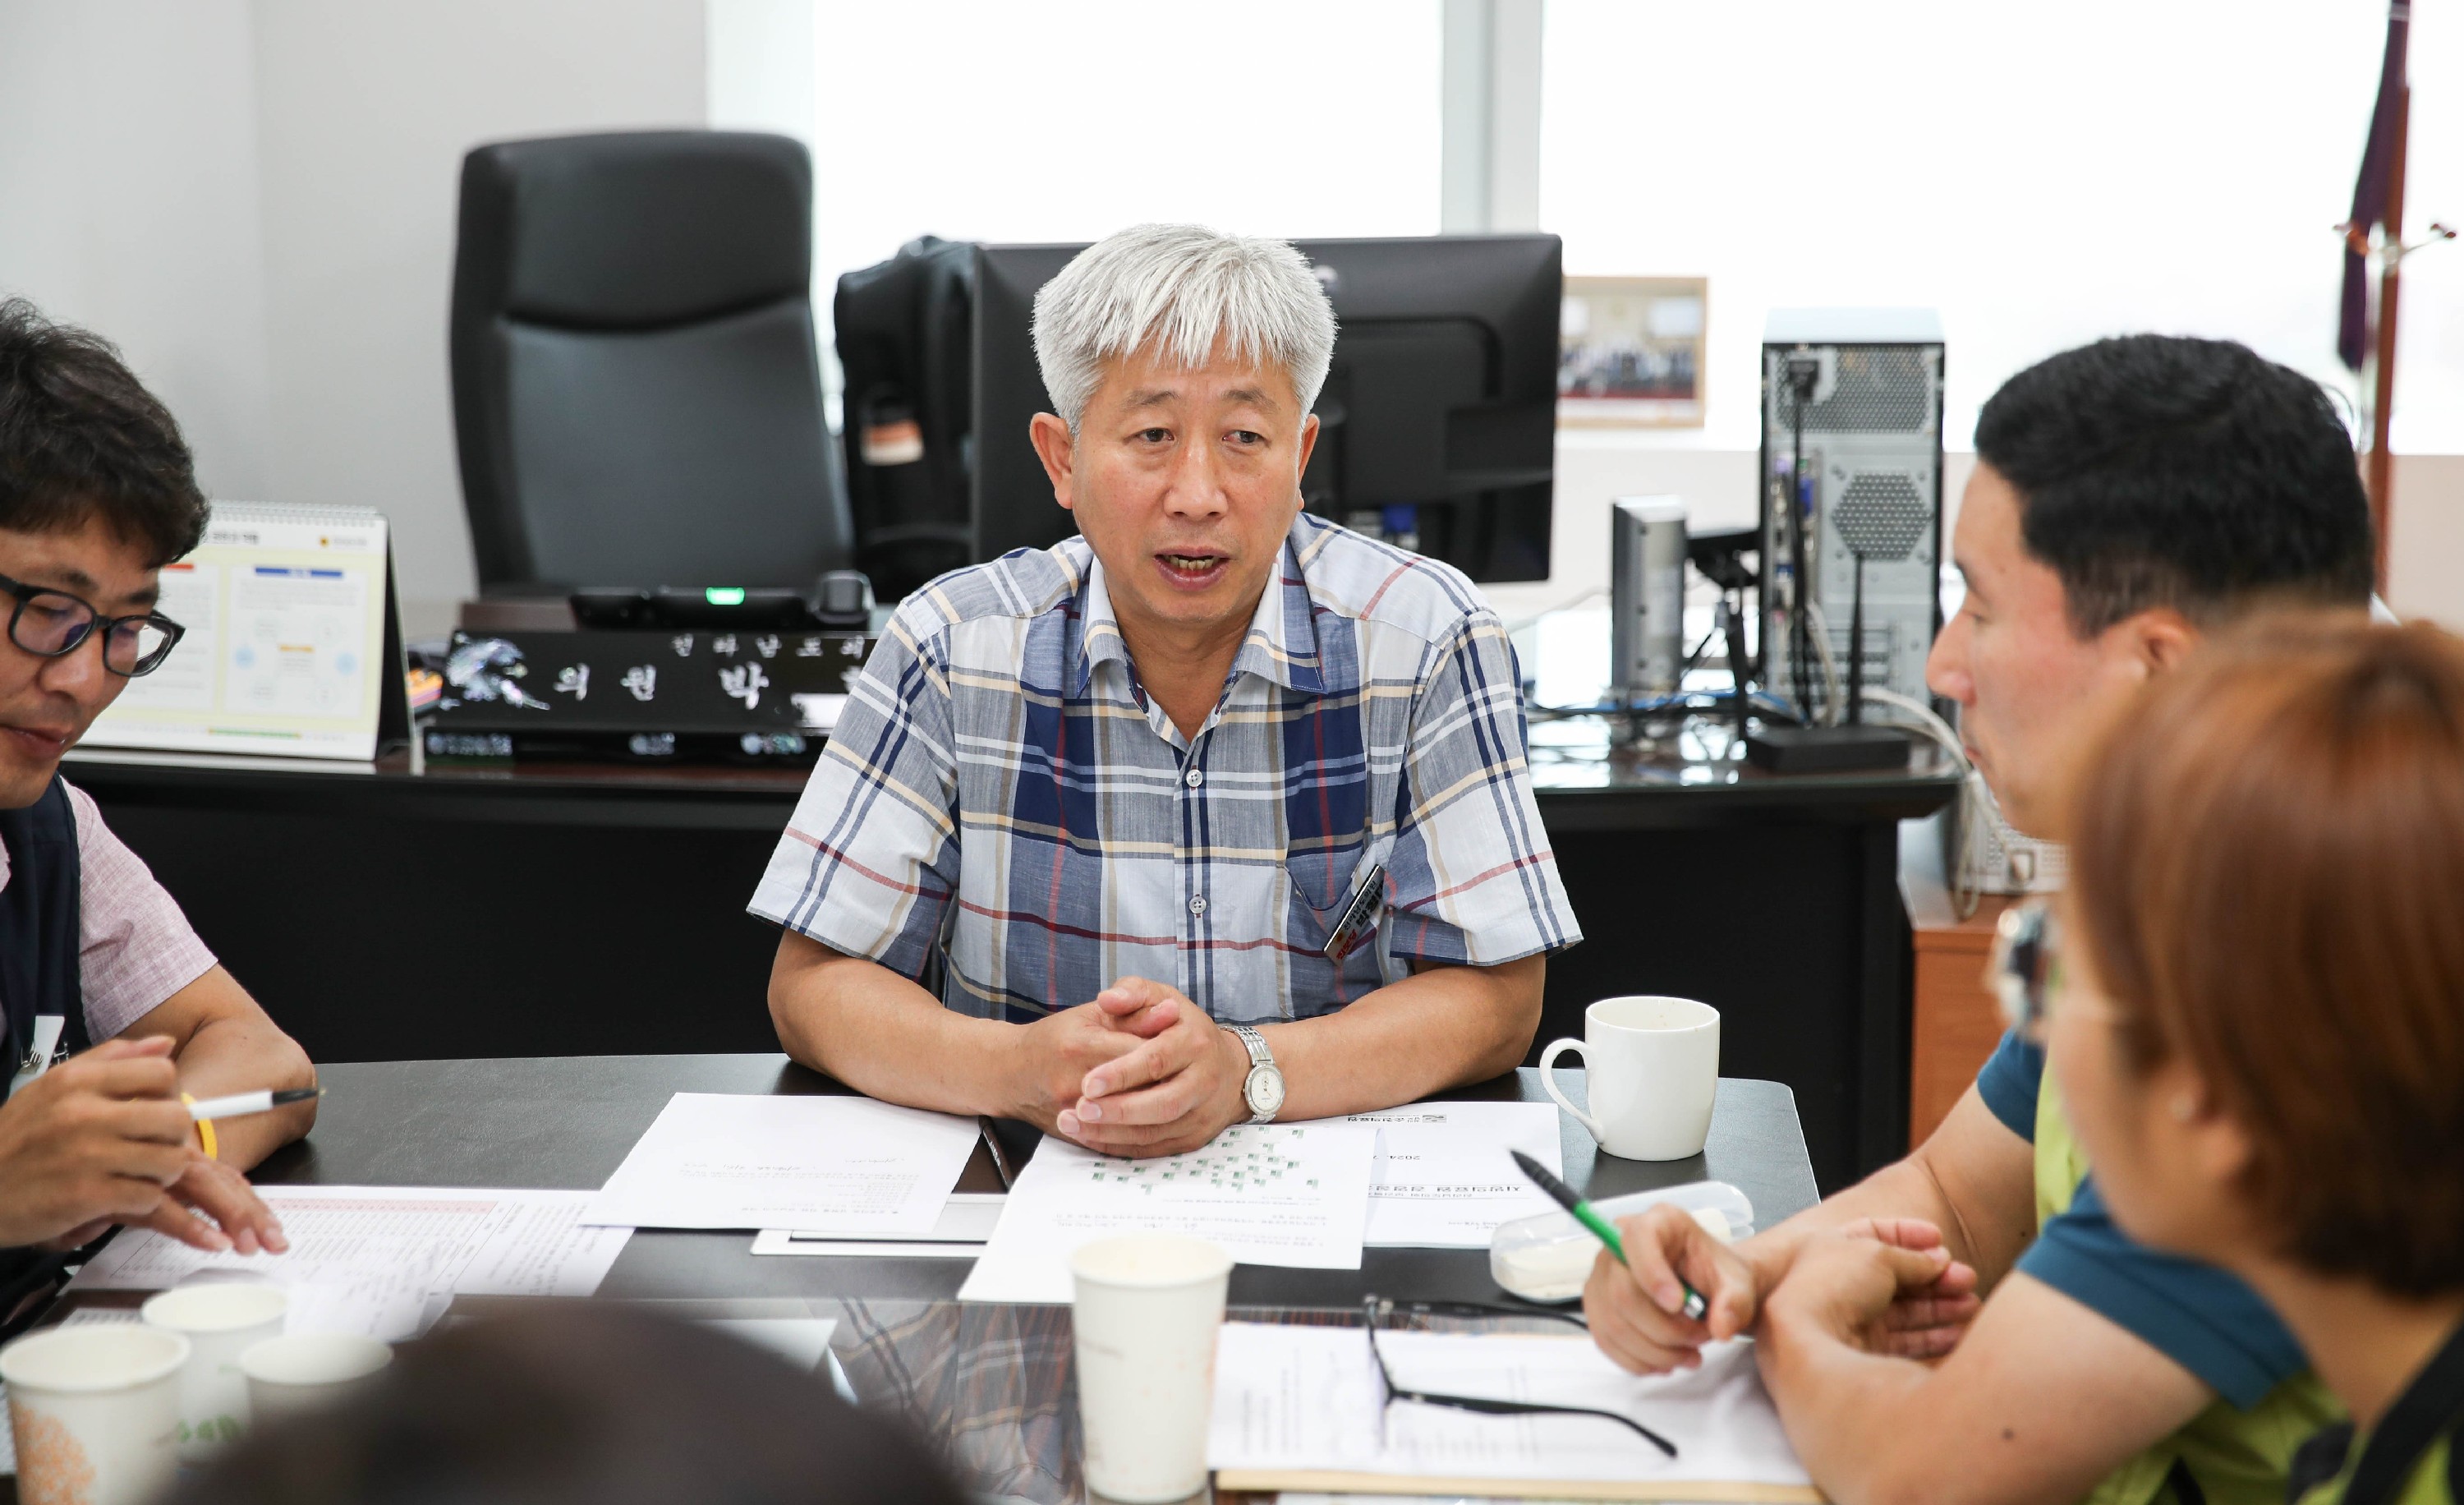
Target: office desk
x,y
387,914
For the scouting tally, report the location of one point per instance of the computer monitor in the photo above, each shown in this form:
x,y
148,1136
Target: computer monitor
x,y
1437,424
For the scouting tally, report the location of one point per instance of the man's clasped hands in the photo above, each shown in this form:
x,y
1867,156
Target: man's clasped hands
x,y
1138,1069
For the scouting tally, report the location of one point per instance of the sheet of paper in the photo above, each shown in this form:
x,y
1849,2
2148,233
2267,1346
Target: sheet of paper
x,y
1444,1179
967,1220
968,1217
778,1241
827,1164
1304,1400
385,1260
1292,1194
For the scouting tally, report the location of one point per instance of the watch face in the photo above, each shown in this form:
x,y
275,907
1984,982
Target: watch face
x,y
1266,1092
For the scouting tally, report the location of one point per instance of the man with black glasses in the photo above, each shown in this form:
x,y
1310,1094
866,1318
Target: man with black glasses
x,y
114,1010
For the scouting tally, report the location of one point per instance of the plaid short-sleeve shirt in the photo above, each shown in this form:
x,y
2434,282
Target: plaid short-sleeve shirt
x,y
1000,786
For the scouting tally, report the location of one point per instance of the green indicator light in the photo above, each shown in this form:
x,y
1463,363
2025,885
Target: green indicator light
x,y
724,595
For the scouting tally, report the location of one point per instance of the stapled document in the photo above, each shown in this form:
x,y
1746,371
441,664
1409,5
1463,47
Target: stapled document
x,y
1444,1176
1297,1407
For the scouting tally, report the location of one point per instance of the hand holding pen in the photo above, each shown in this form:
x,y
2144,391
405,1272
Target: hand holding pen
x,y
1663,1287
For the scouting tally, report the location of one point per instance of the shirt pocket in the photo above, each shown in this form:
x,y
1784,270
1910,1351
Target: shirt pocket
x,y
1323,880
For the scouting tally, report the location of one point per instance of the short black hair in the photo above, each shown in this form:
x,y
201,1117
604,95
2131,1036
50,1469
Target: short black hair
x,y
81,437
580,1403
2159,471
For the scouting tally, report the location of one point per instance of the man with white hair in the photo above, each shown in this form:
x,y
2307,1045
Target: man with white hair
x,y
1214,813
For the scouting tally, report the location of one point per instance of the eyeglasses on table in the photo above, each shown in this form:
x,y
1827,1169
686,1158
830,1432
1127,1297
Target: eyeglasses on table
x,y
1376,1312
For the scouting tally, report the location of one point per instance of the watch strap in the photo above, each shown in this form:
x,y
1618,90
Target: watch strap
x,y
1261,1059
1255,1043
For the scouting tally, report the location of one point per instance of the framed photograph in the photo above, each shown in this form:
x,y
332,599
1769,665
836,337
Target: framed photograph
x,y
1630,352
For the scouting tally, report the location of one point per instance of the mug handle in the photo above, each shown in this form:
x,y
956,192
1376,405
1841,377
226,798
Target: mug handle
x,y
1549,1081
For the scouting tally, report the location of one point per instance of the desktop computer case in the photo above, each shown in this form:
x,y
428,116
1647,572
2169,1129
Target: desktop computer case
x,y
1875,421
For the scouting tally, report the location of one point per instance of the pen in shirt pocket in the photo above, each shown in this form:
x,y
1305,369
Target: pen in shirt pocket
x,y
1359,915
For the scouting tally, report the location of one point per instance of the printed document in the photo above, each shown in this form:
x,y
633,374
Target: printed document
x,y
1445,1179
967,1218
817,1164
1298,1408
385,1260
1269,1193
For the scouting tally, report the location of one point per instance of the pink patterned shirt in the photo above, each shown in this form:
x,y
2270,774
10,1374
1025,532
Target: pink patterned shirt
x,y
135,947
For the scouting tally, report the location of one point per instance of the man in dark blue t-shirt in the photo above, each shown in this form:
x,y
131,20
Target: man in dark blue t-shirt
x,y
2128,497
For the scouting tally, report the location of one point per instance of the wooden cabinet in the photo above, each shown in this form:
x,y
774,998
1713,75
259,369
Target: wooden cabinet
x,y
1957,1023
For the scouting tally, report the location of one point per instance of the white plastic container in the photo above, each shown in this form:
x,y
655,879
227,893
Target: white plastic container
x,y
1548,1257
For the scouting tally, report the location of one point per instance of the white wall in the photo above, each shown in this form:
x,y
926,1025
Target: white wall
x,y
257,199
2426,547
364,113
128,203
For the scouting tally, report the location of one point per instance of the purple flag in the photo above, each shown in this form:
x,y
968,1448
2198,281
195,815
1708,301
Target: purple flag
x,y
2371,188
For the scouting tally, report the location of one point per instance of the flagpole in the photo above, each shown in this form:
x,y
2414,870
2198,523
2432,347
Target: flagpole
x,y
2378,471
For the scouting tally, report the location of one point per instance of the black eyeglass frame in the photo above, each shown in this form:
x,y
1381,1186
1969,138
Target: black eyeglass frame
x,y
25,595
1481,1310
1374,1309
2025,969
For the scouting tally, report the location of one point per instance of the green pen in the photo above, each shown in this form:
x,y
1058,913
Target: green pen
x,y
1566,1197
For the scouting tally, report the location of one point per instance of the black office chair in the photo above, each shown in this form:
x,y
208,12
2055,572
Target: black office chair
x,y
635,391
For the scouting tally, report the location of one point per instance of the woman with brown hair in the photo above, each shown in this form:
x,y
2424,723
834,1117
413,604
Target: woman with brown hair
x,y
2257,1016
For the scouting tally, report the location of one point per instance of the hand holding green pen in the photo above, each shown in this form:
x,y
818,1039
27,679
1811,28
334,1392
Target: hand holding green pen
x,y
1565,1196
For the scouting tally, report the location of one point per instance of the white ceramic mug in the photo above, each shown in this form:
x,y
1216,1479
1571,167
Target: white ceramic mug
x,y
222,1321
308,1371
1651,1066
1148,1309
97,1411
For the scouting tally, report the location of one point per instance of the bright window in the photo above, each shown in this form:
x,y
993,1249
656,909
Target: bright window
x,y
2041,175
1066,120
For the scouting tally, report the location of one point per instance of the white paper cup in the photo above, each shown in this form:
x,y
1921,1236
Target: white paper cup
x,y
1652,1066
309,1371
97,1411
1148,1310
221,1320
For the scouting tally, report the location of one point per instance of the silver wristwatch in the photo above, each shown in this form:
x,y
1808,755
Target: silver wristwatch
x,y
1263,1089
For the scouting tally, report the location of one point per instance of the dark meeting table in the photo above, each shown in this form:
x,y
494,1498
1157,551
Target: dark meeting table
x,y
990,1387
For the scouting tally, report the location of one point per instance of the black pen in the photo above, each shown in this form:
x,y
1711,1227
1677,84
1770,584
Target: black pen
x,y
1566,1197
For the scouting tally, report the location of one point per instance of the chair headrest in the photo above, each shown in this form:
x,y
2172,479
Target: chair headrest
x,y
638,229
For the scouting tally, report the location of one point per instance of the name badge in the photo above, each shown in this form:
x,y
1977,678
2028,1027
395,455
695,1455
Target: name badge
x,y
1359,914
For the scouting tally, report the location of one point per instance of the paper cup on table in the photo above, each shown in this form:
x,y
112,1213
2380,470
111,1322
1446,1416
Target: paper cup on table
x,y
95,1411
309,1371
221,1320
1148,1309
